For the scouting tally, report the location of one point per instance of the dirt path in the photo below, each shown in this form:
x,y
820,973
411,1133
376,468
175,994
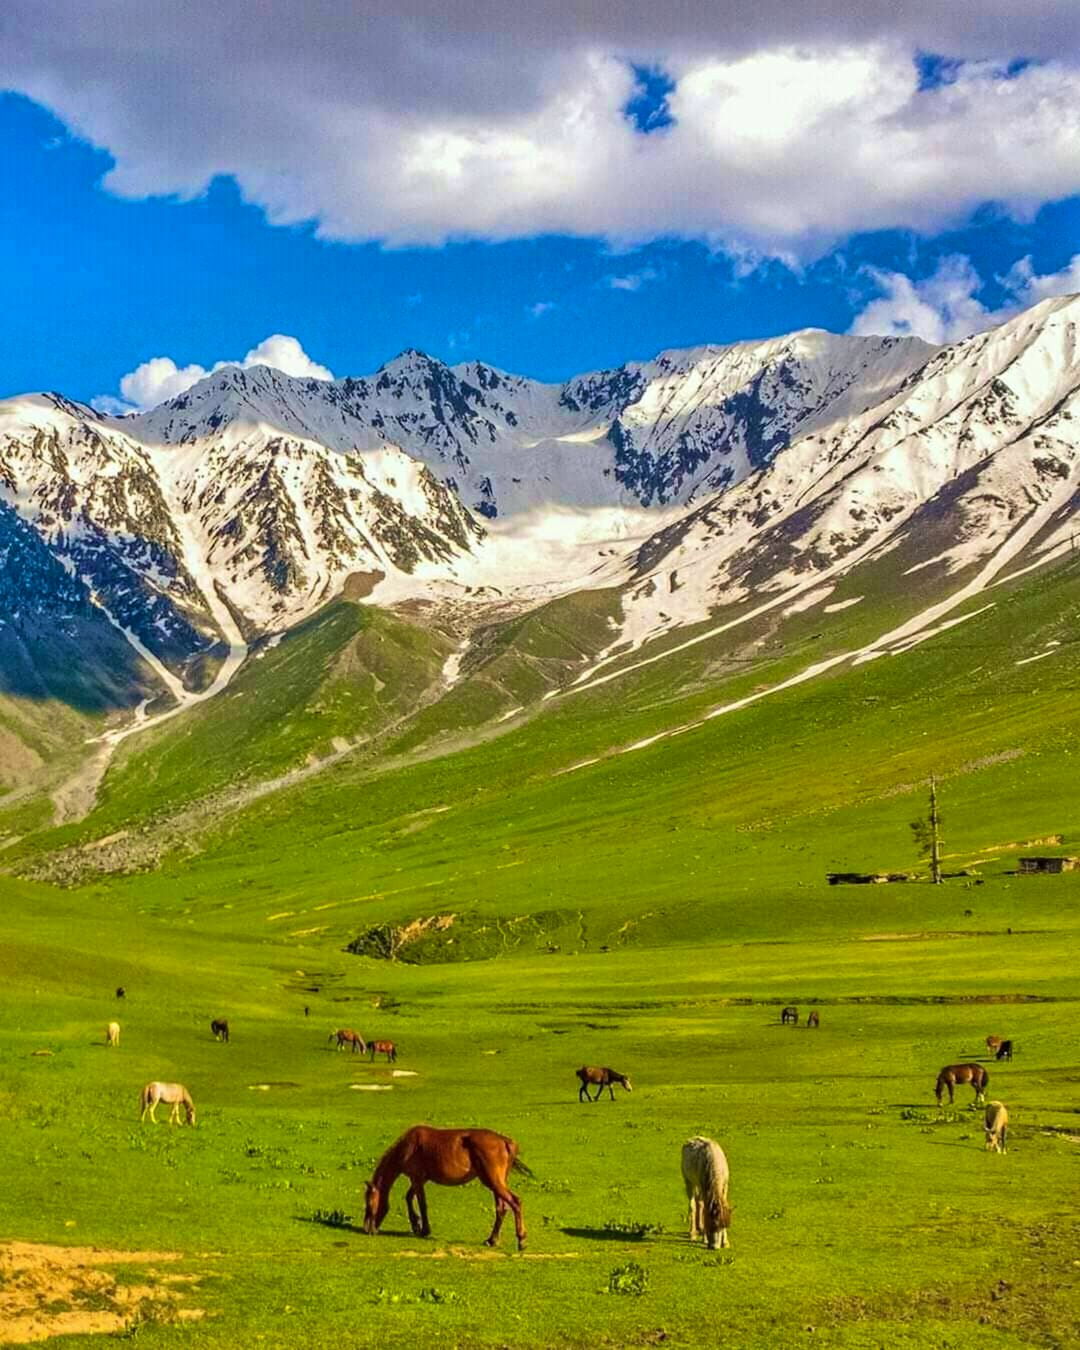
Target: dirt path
x,y
42,1287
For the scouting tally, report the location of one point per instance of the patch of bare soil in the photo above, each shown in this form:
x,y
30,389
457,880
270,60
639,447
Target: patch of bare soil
x,y
62,1291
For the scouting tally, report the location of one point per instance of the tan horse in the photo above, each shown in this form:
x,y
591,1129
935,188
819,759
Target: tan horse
x,y
706,1177
172,1094
112,1034
387,1048
446,1158
993,1044
952,1074
996,1127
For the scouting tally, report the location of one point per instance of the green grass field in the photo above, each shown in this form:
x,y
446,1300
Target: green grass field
x,y
653,912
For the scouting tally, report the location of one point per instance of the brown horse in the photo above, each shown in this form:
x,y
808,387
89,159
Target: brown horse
x,y
993,1044
599,1078
446,1158
952,1074
344,1036
789,1015
813,1019
387,1048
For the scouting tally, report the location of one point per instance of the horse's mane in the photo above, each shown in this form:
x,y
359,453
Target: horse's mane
x,y
391,1160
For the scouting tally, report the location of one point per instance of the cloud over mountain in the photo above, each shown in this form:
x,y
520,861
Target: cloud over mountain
x,y
944,307
160,378
787,126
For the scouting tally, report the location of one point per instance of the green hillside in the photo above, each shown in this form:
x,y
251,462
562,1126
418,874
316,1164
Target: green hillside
x,y
652,910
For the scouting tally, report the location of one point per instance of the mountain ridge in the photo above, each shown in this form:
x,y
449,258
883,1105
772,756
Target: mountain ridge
x,y
691,483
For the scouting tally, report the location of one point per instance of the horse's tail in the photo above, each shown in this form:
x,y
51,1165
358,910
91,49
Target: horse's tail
x,y
517,1165
144,1097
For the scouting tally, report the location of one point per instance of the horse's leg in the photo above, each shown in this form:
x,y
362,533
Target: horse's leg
x,y
692,1204
611,1090
414,1222
504,1197
582,1093
421,1198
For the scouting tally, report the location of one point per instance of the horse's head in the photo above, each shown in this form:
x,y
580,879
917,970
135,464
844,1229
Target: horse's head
x,y
189,1107
376,1203
626,1083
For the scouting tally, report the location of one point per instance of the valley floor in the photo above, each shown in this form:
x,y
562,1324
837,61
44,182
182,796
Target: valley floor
x,y
863,1216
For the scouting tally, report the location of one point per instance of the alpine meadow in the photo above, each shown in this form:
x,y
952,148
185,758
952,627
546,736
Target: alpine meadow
x,y
490,861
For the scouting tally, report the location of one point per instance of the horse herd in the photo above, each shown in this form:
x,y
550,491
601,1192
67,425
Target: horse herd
x,y
453,1157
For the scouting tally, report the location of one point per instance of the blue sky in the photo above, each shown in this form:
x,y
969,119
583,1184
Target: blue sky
x,y
126,235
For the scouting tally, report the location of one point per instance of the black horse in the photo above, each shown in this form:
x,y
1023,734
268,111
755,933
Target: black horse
x,y
220,1028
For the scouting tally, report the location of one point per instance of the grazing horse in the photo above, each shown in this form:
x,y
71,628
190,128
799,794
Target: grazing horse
x,y
220,1028
1004,1050
172,1094
601,1079
344,1036
705,1174
813,1020
789,1015
121,992
112,1034
993,1044
952,1074
446,1158
996,1127
387,1048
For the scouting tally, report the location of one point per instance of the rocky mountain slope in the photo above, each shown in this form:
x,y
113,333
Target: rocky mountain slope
x,y
752,475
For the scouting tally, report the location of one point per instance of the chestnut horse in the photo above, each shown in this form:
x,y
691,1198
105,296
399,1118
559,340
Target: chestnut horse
x,y
387,1048
344,1036
952,1074
813,1020
600,1078
446,1158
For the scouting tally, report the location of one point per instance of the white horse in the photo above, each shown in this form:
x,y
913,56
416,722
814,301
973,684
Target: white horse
x,y
996,1126
705,1173
112,1034
172,1094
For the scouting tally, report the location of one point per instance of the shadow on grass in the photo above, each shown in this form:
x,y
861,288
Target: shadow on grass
x,y
334,1227
609,1235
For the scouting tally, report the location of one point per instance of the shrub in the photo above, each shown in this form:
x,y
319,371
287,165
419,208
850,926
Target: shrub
x,y
629,1279
332,1218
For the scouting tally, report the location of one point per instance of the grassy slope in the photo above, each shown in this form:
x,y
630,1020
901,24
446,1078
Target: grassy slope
x,y
699,861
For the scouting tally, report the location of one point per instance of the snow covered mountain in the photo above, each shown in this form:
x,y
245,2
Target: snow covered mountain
x,y
972,462
749,473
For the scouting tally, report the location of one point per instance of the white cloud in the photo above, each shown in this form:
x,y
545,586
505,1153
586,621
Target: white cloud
x,y
633,281
944,307
160,379
794,125
541,308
